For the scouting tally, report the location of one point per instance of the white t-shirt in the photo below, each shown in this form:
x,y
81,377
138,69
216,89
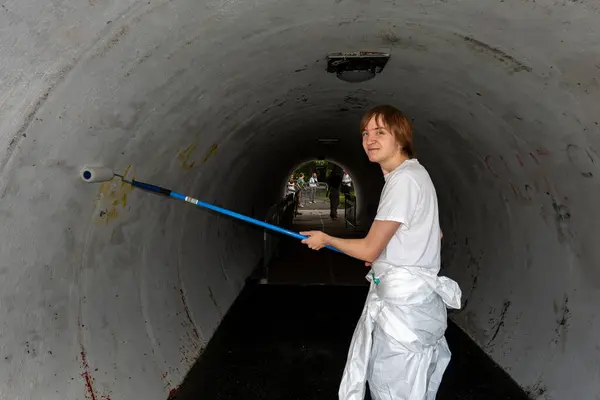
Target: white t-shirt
x,y
409,197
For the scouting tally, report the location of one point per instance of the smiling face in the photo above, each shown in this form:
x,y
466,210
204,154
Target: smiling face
x,y
379,142
386,137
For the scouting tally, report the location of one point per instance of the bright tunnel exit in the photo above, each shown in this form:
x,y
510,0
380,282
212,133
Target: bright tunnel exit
x,y
109,292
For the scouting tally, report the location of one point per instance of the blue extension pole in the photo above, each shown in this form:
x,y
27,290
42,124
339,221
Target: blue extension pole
x,y
170,193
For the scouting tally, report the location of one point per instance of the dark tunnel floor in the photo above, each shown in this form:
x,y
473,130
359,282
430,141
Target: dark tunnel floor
x,y
290,342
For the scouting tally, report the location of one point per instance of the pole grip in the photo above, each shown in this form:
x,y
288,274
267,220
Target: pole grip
x,y
151,188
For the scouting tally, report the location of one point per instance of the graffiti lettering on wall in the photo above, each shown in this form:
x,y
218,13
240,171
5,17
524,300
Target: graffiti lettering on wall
x,y
499,167
583,160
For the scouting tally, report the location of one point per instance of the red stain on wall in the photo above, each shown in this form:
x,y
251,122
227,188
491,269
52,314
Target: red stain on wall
x,y
489,158
519,160
90,394
89,389
487,164
172,393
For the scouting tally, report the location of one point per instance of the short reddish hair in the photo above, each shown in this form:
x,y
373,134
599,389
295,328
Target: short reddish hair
x,y
396,122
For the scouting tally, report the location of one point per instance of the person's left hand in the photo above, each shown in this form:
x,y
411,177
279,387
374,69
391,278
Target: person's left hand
x,y
316,240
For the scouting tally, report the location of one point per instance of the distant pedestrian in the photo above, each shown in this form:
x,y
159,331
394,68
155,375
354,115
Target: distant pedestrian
x,y
312,188
300,184
335,181
346,183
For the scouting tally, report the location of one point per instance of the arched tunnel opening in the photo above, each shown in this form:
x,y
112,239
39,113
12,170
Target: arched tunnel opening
x,y
108,292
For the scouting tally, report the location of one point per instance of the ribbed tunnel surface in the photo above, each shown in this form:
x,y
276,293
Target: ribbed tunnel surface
x,y
112,293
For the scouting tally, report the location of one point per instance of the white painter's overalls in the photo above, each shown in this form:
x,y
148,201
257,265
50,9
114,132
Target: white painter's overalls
x,y
398,344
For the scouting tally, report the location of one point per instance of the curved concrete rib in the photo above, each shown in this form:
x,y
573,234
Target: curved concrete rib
x,y
112,293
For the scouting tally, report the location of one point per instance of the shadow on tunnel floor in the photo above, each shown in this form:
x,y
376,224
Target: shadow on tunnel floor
x,y
290,342
298,265
294,263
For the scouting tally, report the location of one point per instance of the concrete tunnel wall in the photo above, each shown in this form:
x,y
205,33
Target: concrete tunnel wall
x,y
111,293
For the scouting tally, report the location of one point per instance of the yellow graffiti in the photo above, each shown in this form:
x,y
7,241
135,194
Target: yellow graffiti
x,y
112,198
184,157
210,152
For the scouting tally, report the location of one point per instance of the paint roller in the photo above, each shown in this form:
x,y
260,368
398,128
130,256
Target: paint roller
x,y
103,174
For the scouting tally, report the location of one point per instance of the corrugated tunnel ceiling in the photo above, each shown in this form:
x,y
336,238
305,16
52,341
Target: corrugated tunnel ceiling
x,y
115,292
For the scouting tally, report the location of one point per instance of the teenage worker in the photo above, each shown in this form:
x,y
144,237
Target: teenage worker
x,y
398,344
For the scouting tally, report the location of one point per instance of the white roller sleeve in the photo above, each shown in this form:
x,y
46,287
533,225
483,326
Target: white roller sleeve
x,y
96,174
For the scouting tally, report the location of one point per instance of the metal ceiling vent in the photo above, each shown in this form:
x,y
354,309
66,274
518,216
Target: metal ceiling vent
x,y
356,67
